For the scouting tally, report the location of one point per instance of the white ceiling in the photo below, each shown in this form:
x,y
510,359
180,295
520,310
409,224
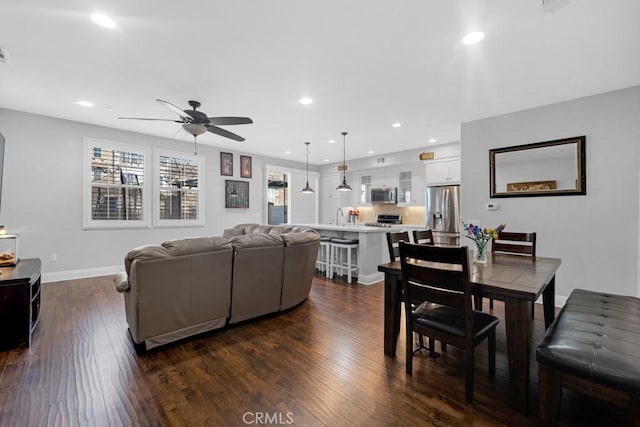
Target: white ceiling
x,y
365,63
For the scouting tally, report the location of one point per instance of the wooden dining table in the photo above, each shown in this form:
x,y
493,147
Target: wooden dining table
x,y
514,279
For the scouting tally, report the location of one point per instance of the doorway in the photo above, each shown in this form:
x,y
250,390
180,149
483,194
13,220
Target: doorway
x,y
277,197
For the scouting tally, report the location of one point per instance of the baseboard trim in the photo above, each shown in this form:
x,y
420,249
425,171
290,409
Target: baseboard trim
x,y
370,279
560,301
59,276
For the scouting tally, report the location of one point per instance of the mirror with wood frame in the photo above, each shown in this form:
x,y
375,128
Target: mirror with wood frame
x,y
550,168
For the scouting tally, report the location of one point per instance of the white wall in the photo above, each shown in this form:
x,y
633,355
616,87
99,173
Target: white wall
x,y
304,206
596,235
42,194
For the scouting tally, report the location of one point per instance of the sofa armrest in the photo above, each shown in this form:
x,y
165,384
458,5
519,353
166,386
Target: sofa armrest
x,y
122,282
144,253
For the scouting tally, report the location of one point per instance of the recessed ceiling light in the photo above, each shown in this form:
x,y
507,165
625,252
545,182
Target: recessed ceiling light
x,y
326,160
396,125
103,20
432,140
84,103
332,141
306,101
473,37
287,152
370,152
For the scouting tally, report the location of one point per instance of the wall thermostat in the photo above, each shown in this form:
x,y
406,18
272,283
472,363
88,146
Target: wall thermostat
x,y
492,206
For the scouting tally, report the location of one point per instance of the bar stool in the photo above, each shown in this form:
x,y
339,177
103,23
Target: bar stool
x,y
340,259
322,261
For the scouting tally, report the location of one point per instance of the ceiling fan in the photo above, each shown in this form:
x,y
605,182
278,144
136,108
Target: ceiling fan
x,y
196,122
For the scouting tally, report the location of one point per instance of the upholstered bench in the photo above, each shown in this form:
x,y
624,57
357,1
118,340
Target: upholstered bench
x,y
593,347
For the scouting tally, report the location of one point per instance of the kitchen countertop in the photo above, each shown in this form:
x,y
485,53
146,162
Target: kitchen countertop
x,y
361,228
372,245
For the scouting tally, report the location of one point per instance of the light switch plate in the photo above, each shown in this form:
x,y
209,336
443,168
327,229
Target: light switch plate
x,y
493,206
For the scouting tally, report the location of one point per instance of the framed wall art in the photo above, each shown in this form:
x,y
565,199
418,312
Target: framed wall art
x,y
236,194
226,164
245,166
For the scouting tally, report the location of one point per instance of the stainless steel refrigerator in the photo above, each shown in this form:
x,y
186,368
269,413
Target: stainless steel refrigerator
x,y
442,213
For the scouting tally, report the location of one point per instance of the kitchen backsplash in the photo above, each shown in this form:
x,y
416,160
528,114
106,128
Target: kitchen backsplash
x,y
410,215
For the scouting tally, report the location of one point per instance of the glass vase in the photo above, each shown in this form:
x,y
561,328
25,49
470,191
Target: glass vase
x,y
480,251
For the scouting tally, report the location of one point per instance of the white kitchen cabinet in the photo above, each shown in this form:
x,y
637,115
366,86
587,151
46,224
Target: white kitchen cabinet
x,y
442,172
411,187
362,189
384,179
405,188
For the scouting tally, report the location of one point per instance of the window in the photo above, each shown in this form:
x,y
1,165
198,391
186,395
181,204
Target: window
x,y
178,198
115,187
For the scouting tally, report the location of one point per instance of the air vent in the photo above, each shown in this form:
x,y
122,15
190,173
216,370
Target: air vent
x,y
552,5
380,160
4,55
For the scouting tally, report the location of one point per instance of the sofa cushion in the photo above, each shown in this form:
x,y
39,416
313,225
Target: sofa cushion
x,y
231,232
255,241
281,229
250,228
299,237
196,245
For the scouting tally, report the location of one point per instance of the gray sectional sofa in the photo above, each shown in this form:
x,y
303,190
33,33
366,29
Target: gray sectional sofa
x,y
188,286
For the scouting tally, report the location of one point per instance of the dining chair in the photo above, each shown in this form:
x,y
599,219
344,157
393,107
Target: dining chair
x,y
440,275
514,244
423,237
393,241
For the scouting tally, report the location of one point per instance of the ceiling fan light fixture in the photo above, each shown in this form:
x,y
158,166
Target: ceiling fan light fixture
x,y
344,186
194,128
307,189
196,122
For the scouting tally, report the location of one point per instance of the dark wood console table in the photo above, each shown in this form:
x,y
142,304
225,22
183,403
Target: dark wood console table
x,y
19,303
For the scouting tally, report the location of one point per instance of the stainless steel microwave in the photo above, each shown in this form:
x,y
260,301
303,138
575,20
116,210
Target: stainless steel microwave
x,y
384,195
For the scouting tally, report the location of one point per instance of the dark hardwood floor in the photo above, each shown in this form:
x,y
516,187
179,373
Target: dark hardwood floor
x,y
321,363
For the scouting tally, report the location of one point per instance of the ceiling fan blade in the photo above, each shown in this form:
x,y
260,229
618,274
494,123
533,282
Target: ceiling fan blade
x,y
230,120
143,118
175,109
225,133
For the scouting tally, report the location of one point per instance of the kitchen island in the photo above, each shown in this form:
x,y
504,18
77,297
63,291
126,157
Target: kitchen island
x,y
372,250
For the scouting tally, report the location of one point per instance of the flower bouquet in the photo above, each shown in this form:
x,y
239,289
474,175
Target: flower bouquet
x,y
481,237
353,215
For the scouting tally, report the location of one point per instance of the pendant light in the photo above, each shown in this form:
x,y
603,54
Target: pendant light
x,y
344,186
306,188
